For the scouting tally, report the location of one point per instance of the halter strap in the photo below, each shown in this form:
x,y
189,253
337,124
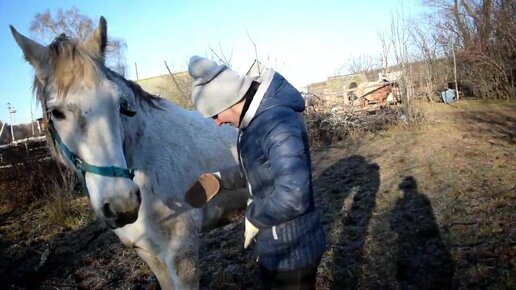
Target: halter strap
x,y
81,167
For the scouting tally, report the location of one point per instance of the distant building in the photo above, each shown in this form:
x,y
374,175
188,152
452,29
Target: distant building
x,y
346,89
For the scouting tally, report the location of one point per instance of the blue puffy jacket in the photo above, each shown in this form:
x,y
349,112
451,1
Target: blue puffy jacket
x,y
275,158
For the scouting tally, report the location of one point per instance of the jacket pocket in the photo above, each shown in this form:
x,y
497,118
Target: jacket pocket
x,y
269,243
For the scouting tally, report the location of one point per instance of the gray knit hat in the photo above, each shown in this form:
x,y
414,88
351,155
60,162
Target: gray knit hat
x,y
215,87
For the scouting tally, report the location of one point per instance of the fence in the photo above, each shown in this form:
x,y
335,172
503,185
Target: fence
x,y
24,151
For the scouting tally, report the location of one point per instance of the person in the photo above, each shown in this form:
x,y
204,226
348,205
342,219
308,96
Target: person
x,y
274,162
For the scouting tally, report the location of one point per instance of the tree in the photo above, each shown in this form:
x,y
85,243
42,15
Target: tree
x,y
435,72
484,35
363,63
402,51
45,27
386,48
400,47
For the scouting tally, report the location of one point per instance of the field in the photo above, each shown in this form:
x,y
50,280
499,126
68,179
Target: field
x,y
427,207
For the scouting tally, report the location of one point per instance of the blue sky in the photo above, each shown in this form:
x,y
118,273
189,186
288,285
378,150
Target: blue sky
x,y
306,41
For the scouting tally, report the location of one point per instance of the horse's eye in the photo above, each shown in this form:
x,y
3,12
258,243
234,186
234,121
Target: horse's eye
x,y
59,115
124,109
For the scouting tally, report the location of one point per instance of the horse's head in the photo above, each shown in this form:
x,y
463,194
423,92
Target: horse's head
x,y
85,107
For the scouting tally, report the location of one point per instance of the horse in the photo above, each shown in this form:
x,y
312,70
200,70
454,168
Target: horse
x,y
135,153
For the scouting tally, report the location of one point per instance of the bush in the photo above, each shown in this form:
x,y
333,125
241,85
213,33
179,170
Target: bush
x,y
412,113
60,194
330,125
24,183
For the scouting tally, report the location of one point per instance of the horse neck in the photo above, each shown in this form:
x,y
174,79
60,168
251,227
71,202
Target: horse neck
x,y
161,137
176,145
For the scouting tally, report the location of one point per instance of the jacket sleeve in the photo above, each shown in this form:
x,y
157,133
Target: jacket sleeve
x,y
232,177
288,156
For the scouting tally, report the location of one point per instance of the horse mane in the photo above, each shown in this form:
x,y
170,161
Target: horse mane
x,y
67,62
140,94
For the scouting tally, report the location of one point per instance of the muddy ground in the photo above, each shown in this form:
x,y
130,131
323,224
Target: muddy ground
x,y
404,208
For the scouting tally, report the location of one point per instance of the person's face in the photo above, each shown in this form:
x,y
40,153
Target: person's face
x,y
229,116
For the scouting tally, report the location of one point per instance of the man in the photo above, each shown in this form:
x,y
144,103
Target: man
x,y
275,163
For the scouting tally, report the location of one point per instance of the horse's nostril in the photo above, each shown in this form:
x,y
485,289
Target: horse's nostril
x,y
139,196
126,218
108,213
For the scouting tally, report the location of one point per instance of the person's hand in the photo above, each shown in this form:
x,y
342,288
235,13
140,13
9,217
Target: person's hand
x,y
250,232
203,190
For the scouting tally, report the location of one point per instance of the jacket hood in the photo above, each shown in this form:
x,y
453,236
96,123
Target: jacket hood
x,y
274,91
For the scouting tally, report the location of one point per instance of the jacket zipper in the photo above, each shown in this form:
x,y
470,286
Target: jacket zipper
x,y
241,161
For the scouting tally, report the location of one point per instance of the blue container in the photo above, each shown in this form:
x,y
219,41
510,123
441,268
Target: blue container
x,y
448,96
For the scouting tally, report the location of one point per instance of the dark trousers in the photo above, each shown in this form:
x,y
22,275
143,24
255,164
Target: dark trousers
x,y
297,279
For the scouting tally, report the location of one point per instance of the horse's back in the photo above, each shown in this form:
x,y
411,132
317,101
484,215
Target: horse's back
x,y
216,143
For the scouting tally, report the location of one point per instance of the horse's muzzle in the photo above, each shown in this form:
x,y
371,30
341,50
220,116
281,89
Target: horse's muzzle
x,y
121,220
115,219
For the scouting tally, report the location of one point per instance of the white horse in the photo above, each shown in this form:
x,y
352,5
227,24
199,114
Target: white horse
x,y
135,153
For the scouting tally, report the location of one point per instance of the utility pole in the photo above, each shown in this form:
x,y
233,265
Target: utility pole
x,y
2,130
32,120
455,69
136,70
11,111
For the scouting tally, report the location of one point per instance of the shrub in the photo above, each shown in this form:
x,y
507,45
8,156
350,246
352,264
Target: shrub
x,y
24,183
330,125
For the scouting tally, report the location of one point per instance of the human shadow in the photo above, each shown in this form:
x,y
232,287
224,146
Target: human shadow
x,y
423,261
345,195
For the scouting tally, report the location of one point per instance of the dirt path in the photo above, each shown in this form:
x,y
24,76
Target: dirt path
x,y
403,209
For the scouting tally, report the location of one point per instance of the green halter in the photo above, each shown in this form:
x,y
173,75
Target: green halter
x,y
80,166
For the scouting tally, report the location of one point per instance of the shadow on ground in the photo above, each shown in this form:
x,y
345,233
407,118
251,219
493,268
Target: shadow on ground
x,y
345,195
423,260
80,259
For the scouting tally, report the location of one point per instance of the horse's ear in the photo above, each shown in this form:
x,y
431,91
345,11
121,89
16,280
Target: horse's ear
x,y
34,52
97,41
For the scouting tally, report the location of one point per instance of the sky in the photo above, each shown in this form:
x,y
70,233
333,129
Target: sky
x,y
306,41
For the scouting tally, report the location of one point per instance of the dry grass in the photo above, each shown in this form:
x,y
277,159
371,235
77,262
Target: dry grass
x,y
62,208
428,206
23,184
462,162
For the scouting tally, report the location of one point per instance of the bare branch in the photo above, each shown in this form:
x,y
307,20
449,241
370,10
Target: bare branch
x,y
45,27
183,95
255,53
222,57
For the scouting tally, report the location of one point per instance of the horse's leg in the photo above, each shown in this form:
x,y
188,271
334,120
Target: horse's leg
x,y
158,267
224,208
183,271
183,257
174,229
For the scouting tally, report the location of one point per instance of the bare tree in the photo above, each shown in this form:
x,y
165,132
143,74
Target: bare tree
x,y
401,47
400,44
386,48
221,56
363,64
484,32
435,72
45,27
